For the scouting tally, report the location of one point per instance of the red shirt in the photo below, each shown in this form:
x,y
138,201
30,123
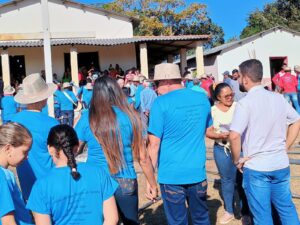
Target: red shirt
x,y
288,83
206,84
277,77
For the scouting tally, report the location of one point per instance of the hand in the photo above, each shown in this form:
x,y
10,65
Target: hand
x,y
224,135
151,192
146,113
240,164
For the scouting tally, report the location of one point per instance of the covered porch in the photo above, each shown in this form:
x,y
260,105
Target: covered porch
x,y
140,52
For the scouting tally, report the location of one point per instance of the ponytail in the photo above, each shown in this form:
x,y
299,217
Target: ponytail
x,y
63,137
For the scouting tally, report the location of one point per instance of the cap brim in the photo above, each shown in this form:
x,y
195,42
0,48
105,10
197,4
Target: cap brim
x,y
29,99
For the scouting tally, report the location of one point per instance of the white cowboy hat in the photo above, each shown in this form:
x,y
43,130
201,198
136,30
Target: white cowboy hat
x,y
166,71
8,90
35,89
66,85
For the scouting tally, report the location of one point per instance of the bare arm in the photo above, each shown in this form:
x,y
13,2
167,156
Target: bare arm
x,y
210,133
146,165
41,219
8,219
110,212
292,133
235,142
153,149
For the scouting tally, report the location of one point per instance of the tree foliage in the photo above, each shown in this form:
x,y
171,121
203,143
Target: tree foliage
x,y
169,17
284,13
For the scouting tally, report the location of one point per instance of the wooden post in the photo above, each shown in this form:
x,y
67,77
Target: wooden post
x,y
74,65
144,59
183,62
199,59
5,67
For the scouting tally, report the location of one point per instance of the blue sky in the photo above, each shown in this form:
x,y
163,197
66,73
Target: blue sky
x,y
229,14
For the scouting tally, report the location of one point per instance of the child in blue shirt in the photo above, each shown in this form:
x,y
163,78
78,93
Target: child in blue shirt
x,y
15,142
8,104
70,193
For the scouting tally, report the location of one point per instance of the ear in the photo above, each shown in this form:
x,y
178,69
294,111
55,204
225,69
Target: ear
x,y
7,149
52,151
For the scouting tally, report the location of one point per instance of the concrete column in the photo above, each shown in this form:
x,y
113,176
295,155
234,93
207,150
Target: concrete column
x,y
5,67
170,59
183,62
74,66
199,59
144,59
47,52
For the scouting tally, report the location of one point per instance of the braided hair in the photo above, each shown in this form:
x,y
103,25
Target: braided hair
x,y
64,138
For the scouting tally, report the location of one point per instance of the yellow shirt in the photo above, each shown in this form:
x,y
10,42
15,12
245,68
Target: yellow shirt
x,y
222,121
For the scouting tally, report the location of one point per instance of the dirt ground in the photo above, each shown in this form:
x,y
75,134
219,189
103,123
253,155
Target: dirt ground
x,y
154,214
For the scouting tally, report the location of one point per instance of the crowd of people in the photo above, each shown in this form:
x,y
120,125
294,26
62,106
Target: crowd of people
x,y
162,125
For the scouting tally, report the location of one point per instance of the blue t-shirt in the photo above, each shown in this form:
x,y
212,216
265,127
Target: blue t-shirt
x,y
72,202
189,84
95,153
138,96
86,95
9,108
39,161
56,99
65,103
11,199
298,88
180,118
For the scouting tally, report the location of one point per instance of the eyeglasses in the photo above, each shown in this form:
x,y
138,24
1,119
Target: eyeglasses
x,y
228,96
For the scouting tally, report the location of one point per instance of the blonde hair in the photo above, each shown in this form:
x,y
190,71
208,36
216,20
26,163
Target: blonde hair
x,y
15,135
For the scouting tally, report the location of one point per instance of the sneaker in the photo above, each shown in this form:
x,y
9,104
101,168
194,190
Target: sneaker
x,y
246,220
226,218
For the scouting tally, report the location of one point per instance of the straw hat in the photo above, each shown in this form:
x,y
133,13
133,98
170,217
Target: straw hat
x,y
189,76
297,68
35,89
166,71
66,85
8,90
89,86
136,79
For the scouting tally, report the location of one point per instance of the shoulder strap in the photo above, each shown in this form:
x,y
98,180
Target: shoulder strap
x,y
68,97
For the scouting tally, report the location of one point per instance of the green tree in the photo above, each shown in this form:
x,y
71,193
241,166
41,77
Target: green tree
x,y
169,17
284,13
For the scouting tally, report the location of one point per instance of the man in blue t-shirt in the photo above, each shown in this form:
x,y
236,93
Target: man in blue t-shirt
x,y
177,127
34,95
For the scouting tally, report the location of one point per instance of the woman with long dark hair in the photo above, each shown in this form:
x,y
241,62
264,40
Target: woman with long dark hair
x,y
113,133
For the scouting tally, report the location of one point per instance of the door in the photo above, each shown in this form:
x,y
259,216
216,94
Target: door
x,y
275,65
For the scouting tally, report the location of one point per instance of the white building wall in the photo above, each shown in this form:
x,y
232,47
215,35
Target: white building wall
x,y
72,18
274,44
211,66
66,21
23,17
124,55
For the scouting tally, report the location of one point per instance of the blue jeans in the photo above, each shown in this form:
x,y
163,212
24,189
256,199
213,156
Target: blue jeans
x,y
67,117
264,188
56,112
227,171
127,200
292,97
174,200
